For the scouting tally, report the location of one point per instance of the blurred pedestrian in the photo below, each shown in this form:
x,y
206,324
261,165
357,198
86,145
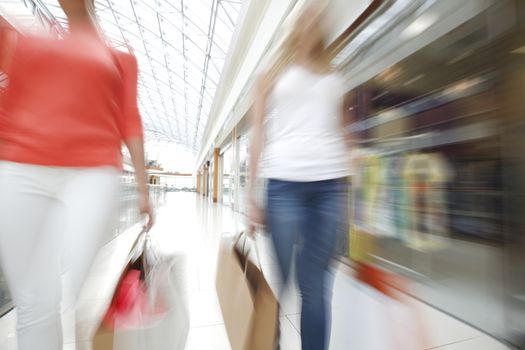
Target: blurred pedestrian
x,y
298,127
69,105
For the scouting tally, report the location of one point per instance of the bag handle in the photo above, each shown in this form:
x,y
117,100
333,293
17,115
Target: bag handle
x,y
149,252
245,252
138,246
257,254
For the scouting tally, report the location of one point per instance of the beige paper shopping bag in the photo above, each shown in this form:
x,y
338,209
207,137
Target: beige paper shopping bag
x,y
249,307
103,338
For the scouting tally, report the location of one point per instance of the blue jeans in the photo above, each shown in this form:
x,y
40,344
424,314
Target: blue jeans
x,y
307,213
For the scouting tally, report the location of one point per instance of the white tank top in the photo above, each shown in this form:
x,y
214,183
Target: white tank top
x,y
304,139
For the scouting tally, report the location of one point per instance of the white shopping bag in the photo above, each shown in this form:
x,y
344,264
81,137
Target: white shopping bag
x,y
150,312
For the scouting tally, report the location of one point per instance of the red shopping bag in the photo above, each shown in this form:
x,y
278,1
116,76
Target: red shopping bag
x,y
131,306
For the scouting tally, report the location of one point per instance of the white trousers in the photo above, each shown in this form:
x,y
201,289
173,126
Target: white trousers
x,y
52,221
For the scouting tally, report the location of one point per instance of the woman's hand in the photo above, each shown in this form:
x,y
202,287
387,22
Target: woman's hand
x,y
146,209
256,217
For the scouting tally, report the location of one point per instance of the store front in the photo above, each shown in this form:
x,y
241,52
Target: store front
x,y
428,187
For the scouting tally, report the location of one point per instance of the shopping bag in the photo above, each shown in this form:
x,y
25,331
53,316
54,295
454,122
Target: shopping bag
x,y
103,338
149,306
249,307
171,330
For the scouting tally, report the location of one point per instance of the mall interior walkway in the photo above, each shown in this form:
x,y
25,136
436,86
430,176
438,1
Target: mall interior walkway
x,y
188,225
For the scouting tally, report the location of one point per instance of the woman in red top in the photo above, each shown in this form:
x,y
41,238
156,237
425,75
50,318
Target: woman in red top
x,y
67,109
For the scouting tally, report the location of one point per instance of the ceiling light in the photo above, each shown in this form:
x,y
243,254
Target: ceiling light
x,y
419,25
390,74
413,80
519,50
462,56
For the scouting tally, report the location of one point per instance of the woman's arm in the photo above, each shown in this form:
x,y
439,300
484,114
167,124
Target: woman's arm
x,y
257,142
135,146
8,43
258,114
130,125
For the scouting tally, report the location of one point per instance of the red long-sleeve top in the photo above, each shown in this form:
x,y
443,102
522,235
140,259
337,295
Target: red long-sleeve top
x,y
69,102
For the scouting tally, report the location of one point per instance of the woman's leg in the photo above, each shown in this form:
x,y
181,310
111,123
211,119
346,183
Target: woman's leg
x,y
30,236
284,212
90,197
326,202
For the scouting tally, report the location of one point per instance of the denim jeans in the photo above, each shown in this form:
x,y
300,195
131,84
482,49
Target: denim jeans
x,y
307,213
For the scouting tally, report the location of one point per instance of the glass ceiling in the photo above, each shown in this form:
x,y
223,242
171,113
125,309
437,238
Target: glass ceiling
x,y
181,47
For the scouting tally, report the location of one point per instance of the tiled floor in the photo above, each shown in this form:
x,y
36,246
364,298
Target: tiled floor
x,y
188,226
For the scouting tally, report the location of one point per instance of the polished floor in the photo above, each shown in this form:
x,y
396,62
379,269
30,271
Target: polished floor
x,y
188,226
